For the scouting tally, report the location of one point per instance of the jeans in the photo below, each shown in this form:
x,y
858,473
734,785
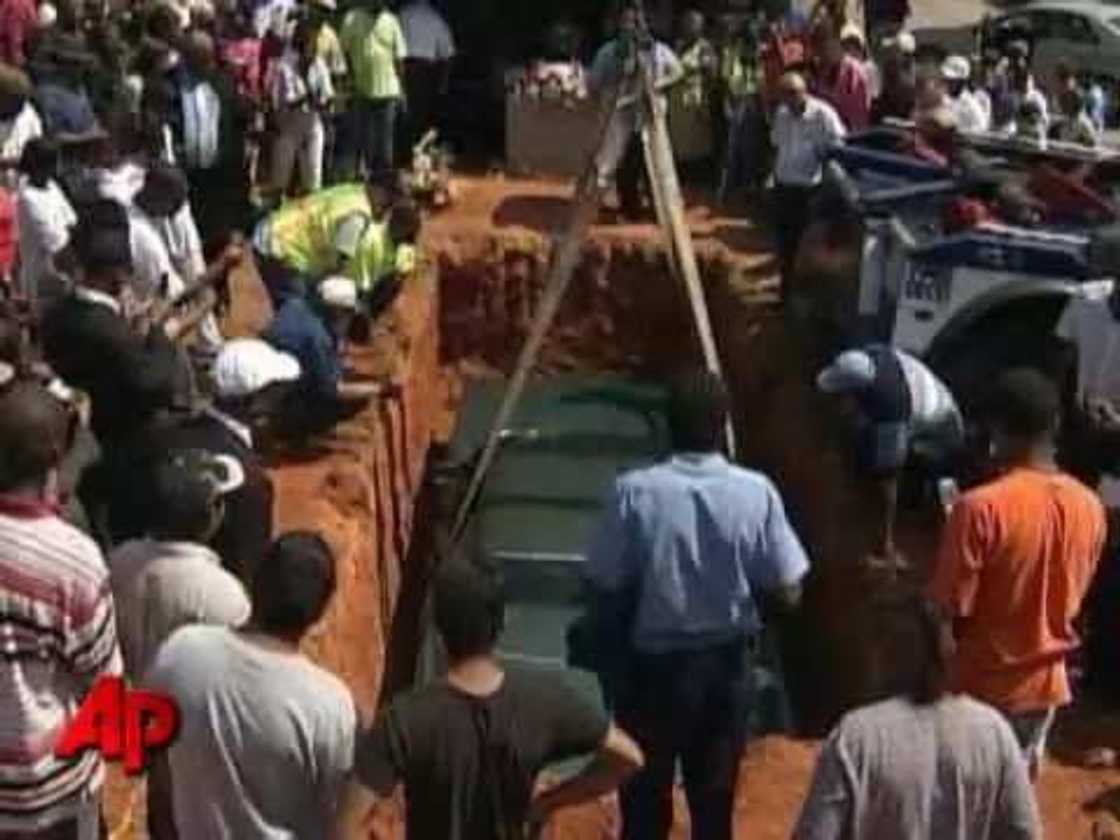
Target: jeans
x,y
370,135
692,706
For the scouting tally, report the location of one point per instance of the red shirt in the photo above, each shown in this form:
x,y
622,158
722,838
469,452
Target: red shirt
x,y
845,88
18,19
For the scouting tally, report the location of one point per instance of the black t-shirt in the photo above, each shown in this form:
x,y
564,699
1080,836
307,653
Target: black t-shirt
x,y
432,740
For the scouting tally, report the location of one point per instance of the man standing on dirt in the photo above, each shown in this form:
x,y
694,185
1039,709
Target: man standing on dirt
x,y
376,49
895,768
1016,560
805,129
267,738
683,550
902,409
616,64
468,748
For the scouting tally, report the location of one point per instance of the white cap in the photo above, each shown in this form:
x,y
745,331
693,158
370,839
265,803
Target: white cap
x,y
247,365
903,42
349,232
956,68
852,370
339,292
851,32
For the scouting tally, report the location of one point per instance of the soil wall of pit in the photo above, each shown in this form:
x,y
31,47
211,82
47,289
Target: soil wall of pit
x,y
466,318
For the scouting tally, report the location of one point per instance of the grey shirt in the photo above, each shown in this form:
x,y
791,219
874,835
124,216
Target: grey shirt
x,y
951,771
267,737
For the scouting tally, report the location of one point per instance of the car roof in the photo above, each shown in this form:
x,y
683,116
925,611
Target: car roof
x,y
1102,10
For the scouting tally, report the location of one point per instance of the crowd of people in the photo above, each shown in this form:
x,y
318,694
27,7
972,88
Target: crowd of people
x,y
151,152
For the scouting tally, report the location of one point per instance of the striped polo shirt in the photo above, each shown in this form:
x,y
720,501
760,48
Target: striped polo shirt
x,y
57,635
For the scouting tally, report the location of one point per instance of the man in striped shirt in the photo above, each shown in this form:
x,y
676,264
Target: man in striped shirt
x,y
57,628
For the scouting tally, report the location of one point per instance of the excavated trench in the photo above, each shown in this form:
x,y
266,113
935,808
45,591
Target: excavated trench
x,y
467,318
464,318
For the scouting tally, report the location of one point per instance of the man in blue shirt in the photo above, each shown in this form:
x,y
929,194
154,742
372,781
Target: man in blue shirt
x,y
686,545
313,332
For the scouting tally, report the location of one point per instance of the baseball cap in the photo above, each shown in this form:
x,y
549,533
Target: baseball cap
x,y
956,68
853,370
339,292
246,366
349,232
222,473
187,483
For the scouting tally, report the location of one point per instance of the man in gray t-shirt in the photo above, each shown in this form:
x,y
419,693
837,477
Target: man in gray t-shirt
x,y
267,737
922,764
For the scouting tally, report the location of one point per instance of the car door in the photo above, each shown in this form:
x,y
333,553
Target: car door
x,y
1078,39
1070,37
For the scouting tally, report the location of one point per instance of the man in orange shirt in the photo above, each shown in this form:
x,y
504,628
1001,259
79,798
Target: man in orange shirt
x,y
1016,560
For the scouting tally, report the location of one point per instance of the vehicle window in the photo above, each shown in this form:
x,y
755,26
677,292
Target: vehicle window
x,y
1041,24
1015,23
1071,27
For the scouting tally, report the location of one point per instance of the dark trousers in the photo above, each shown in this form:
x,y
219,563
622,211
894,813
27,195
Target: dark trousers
x,y
281,281
220,201
791,217
370,135
422,80
631,175
691,706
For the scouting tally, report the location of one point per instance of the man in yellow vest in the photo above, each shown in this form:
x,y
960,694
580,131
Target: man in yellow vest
x,y
306,240
384,255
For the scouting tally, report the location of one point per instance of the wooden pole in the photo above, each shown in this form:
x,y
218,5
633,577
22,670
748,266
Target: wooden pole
x,y
670,211
565,256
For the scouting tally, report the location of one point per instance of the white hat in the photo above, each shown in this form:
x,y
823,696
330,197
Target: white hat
x,y
48,14
956,68
339,292
903,42
851,32
247,365
853,370
349,232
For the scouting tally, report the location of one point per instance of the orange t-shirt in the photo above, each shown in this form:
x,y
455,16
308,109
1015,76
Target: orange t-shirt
x,y
1016,559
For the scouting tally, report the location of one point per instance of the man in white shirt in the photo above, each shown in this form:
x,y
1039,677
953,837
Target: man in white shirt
x,y
171,578
427,69
616,63
44,219
267,737
805,129
19,122
967,110
166,246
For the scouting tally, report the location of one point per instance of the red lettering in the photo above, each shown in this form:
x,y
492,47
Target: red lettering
x,y
121,723
151,722
98,723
